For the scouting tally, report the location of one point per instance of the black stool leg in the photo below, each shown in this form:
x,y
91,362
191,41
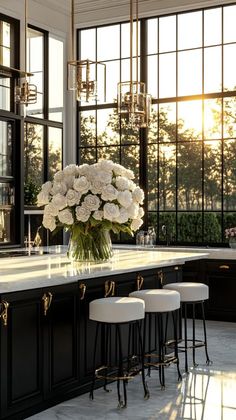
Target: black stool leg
x,y
160,350
121,372
194,337
146,392
185,337
107,344
208,361
175,323
94,361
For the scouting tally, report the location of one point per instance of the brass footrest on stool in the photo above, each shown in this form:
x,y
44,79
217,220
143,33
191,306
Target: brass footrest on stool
x,y
127,376
166,362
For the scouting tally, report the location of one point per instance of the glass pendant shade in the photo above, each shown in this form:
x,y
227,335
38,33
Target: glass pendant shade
x,y
82,79
25,93
134,104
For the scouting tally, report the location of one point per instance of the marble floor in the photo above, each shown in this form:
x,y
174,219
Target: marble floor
x,y
207,393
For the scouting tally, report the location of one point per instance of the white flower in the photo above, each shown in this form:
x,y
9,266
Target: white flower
x,y
91,202
136,223
109,193
66,217
132,185
46,188
49,222
106,165
123,216
140,212
118,169
129,174
59,201
125,198
51,210
111,211
69,181
59,188
104,177
82,214
96,186
138,195
83,169
98,215
133,210
73,197
42,198
70,169
82,185
59,176
122,183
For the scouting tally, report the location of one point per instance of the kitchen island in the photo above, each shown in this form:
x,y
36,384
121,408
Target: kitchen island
x,y
46,337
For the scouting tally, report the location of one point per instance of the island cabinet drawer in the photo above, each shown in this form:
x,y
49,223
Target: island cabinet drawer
x,y
224,267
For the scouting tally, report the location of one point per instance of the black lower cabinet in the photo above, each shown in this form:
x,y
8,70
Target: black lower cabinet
x,y
46,339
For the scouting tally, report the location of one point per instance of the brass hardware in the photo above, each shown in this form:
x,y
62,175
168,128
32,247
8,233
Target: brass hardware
x,y
82,288
160,276
47,300
139,281
109,288
4,312
224,267
176,268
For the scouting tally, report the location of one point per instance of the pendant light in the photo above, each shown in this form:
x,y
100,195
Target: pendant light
x,y
134,104
82,74
25,92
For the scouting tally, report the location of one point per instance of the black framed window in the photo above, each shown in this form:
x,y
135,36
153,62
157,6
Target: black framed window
x,y
190,176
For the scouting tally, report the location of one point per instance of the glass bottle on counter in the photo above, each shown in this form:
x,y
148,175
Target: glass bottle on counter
x,y
151,236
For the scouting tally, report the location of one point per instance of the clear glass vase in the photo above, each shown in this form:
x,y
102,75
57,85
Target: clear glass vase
x,y
232,242
94,246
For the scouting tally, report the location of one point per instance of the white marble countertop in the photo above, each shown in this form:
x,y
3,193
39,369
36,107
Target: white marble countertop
x,y
36,271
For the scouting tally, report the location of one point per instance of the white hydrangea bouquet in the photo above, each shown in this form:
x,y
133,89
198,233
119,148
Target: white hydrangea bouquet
x,y
90,201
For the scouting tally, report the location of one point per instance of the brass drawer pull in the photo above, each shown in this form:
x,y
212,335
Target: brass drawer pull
x,y
4,312
82,288
47,300
224,267
139,282
109,288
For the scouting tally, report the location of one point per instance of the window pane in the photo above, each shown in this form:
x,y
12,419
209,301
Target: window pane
x,y
229,111
125,40
152,75
167,122
87,155
169,220
128,134
229,14
5,56
167,177
190,227
212,227
212,119
5,148
167,75
130,159
125,70
112,153
229,67
152,176
229,175
87,135
167,34
88,44
212,175
189,30
108,127
189,120
212,69
5,94
190,72
212,26
153,127
33,154
5,28
190,176
36,110
56,79
35,64
108,42
54,150
152,36
112,79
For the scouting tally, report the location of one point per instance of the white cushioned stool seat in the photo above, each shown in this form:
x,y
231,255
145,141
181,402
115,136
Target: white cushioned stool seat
x,y
116,309
158,300
190,292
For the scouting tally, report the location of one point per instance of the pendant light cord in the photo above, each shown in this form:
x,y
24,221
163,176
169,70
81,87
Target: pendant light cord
x,y
26,18
72,30
136,40
131,42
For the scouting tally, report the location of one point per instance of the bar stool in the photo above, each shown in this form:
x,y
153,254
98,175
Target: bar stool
x,y
116,311
157,303
192,294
